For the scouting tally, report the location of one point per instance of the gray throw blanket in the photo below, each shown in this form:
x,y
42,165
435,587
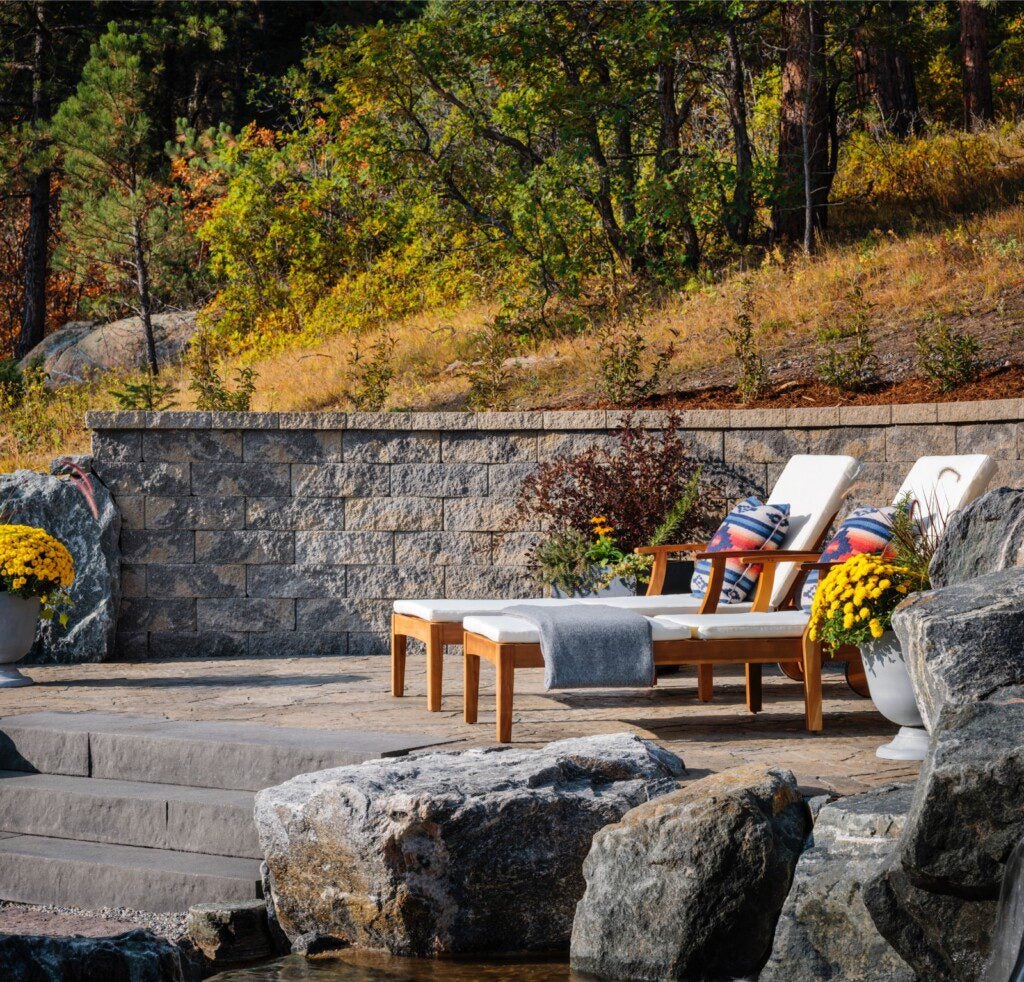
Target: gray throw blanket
x,y
591,645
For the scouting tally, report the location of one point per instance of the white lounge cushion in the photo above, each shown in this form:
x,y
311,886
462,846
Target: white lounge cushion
x,y
813,485
943,485
455,610
668,603
505,629
717,627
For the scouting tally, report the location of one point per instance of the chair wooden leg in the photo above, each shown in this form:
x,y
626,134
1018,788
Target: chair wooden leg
x,y
470,687
435,668
812,684
705,682
504,685
753,687
398,647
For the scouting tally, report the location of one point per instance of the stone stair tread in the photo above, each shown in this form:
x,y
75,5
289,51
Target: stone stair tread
x,y
134,813
240,756
45,870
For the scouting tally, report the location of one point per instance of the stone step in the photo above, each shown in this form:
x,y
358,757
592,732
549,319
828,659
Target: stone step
x,y
67,872
130,813
235,756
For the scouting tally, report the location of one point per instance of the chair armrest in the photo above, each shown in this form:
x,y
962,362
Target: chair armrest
x,y
821,567
777,556
668,549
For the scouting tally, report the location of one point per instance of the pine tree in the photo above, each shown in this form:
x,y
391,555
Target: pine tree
x,y
113,203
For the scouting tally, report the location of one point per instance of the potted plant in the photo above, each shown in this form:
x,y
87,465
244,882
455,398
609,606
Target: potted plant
x,y
36,573
853,606
645,488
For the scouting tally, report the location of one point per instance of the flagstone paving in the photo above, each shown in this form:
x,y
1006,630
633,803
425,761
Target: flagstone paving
x,y
355,693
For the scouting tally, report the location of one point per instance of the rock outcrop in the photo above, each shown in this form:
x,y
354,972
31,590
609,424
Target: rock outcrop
x,y
231,932
56,505
825,931
136,956
441,853
936,900
690,885
986,536
82,349
963,641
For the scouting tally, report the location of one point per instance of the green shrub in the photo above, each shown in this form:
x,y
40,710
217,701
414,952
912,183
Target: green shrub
x,y
949,358
148,393
12,384
849,362
371,375
210,387
624,379
753,378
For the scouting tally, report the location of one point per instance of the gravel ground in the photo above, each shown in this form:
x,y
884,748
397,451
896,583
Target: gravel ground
x,y
63,921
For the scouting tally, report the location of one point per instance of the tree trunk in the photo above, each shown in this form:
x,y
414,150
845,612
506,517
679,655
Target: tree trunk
x,y
804,99
142,287
36,259
885,79
738,223
668,161
978,109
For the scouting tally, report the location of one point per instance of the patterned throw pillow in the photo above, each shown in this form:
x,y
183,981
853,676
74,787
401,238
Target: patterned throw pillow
x,y
865,529
750,525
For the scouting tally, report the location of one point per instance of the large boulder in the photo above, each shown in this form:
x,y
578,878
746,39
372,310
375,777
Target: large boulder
x,y
55,504
964,641
986,536
825,931
936,900
137,956
690,885
83,349
441,853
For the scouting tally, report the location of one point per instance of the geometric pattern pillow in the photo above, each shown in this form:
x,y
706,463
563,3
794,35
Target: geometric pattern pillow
x,y
864,530
751,525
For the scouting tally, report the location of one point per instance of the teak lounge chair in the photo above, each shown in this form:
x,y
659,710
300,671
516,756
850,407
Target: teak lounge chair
x,y
940,485
813,485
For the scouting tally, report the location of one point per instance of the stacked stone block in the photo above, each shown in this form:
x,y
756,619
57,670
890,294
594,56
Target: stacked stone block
x,y
291,534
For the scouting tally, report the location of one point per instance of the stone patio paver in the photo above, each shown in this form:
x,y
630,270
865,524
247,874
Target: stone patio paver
x,y
355,693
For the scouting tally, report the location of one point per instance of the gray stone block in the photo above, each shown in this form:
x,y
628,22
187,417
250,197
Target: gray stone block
x,y
551,445
816,416
291,446
339,480
876,484
194,580
339,548
863,442
245,421
919,412
514,548
245,614
585,419
249,480
748,419
439,480
177,419
370,447
986,410
764,446
368,644
144,546
133,510
296,581
488,448
250,546
479,514
123,446
490,581
298,644
206,514
703,419
133,580
998,440
515,420
144,478
865,415
646,419
334,616
145,614
392,582
197,644
287,514
131,646
399,514
103,419
312,421
443,548
185,446
907,443
506,480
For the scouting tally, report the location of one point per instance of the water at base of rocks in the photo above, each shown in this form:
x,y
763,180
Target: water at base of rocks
x,y
363,966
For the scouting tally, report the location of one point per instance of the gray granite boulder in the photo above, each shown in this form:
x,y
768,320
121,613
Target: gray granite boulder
x,y
825,931
964,641
441,853
136,956
986,536
55,504
690,885
935,902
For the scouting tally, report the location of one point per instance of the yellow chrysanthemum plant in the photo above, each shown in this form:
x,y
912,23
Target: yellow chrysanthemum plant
x,y
855,601
35,564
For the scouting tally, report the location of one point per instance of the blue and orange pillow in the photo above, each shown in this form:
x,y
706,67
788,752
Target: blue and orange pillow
x,y
865,529
751,525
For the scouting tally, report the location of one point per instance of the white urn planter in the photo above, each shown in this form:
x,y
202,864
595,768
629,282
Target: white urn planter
x,y
19,619
893,695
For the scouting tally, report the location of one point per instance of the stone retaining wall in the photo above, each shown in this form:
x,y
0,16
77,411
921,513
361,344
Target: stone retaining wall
x,y
286,534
